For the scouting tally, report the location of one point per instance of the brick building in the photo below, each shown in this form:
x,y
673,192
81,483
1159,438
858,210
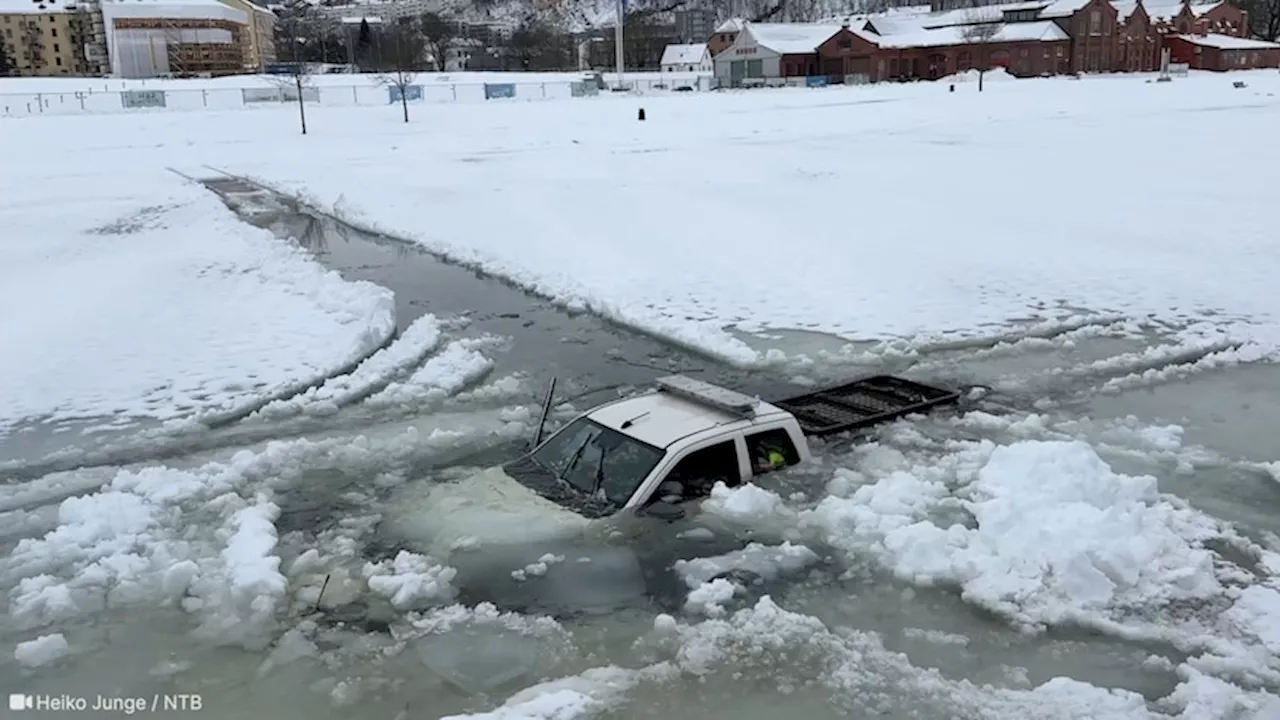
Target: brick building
x,y
1040,37
1222,52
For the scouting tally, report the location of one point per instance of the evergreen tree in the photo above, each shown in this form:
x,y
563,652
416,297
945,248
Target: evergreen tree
x,y
364,43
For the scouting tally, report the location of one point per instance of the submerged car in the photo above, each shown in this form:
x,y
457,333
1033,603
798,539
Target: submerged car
x,y
652,457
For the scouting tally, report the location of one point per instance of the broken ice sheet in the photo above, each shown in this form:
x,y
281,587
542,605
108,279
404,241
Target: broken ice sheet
x,y
480,658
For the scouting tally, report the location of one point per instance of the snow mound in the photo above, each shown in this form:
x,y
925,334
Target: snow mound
x,y
997,74
454,368
240,596
1058,535
408,350
44,650
410,581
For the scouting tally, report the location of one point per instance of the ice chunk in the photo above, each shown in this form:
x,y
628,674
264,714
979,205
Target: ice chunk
x,y
765,561
746,504
410,581
480,657
709,597
44,650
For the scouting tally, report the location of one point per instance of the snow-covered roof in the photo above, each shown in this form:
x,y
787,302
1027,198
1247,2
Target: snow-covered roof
x,y
684,54
730,25
791,38
1228,42
35,7
1063,8
1040,31
185,9
1162,9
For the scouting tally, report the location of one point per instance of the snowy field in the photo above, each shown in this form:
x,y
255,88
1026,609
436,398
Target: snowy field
x,y
61,96
136,297
1094,550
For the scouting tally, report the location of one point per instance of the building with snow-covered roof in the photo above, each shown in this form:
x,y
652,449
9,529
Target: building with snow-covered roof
x,y
724,35
1222,52
686,58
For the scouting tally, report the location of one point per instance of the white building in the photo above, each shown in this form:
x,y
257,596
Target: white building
x,y
687,58
137,51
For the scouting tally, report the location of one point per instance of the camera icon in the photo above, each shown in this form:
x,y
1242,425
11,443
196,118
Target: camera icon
x,y
19,701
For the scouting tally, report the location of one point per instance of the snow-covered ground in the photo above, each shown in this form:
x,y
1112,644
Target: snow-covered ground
x,y
137,296
1029,563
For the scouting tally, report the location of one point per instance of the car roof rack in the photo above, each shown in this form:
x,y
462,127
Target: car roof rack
x,y
713,396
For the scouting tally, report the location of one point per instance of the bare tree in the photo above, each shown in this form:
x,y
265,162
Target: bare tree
x,y
407,48
980,34
294,86
1264,15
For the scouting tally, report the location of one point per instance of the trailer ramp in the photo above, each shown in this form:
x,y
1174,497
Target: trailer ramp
x,y
863,403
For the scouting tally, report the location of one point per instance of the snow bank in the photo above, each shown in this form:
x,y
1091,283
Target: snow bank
x,y
998,74
44,650
408,351
1058,534
457,366
158,303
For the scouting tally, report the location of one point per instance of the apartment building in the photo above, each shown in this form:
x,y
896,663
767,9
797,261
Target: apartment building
x,y
42,38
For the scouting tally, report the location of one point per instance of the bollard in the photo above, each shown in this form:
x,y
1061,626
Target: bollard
x,y
641,116
953,87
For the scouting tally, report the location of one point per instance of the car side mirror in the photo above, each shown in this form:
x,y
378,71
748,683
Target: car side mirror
x,y
669,512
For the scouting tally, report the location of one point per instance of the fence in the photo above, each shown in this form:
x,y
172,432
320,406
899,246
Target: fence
x,y
107,101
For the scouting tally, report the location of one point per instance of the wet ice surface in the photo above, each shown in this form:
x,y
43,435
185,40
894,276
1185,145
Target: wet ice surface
x,y
341,644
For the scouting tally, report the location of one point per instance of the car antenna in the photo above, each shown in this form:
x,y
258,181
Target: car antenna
x,y
628,423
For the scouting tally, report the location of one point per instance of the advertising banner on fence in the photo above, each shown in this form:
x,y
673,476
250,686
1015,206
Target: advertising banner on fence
x,y
583,89
815,81
261,95
411,93
309,94
142,99
499,90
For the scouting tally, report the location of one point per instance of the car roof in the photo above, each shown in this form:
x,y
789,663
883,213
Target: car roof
x,y
660,418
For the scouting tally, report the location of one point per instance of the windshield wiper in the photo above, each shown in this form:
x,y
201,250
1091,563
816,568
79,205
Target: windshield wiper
x,y
573,459
599,478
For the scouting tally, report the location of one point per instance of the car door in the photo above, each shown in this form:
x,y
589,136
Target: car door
x,y
691,473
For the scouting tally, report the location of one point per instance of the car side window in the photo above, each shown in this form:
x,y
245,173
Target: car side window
x,y
771,450
699,471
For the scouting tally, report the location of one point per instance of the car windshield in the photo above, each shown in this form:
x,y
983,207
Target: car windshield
x,y
594,459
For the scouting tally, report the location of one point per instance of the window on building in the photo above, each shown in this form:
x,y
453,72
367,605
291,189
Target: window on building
x,y
57,61
845,42
1095,22
56,48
